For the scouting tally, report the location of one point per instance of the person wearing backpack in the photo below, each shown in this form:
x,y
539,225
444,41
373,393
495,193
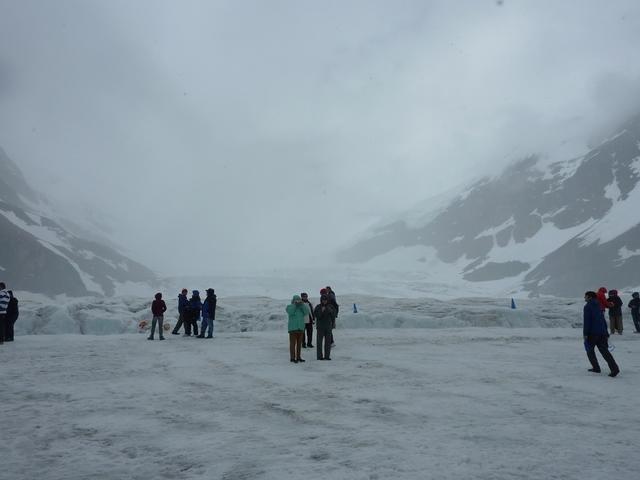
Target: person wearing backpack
x,y
208,313
325,315
12,316
595,334
4,303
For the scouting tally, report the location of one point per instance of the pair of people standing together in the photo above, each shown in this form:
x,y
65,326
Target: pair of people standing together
x,y
301,317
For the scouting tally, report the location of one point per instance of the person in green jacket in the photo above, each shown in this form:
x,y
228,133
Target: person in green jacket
x,y
298,311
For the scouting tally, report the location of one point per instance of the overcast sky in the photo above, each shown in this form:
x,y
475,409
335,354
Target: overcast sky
x,y
237,134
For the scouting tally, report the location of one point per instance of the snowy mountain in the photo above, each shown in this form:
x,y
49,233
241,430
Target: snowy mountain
x,y
41,255
557,227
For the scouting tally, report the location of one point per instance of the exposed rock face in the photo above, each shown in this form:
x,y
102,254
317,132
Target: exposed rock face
x,y
37,254
552,228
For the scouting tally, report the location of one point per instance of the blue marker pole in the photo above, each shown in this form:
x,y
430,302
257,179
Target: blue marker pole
x,y
355,309
513,304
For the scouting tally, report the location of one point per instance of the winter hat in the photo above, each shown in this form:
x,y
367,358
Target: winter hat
x,y
323,291
158,296
184,290
210,291
613,292
196,292
635,294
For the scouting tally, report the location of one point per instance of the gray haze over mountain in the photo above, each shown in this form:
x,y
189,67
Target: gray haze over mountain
x,y
234,135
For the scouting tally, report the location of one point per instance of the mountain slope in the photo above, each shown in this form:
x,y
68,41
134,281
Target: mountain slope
x,y
550,228
39,255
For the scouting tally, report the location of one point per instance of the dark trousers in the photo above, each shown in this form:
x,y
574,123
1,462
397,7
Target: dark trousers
x,y
3,326
189,323
323,339
176,329
8,330
309,329
602,343
635,314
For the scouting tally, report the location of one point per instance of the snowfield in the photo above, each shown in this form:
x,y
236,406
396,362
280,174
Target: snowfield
x,y
401,403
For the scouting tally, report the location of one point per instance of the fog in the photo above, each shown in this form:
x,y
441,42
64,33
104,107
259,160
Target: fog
x,y
234,135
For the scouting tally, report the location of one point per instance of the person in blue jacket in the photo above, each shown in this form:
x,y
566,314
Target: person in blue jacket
x,y
208,313
183,305
596,335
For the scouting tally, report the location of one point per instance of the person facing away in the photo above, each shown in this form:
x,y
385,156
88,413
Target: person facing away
x,y
183,306
12,316
208,313
4,303
193,314
325,314
308,323
158,307
615,312
297,312
634,305
595,334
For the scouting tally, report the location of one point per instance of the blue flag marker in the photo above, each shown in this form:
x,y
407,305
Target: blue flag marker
x,y
513,304
355,309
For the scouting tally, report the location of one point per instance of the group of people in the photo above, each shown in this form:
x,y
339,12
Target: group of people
x,y
8,313
302,318
190,311
595,332
614,303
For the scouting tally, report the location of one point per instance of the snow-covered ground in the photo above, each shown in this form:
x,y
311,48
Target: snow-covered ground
x,y
403,403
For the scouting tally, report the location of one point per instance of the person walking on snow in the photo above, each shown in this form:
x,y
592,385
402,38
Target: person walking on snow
x,y
634,305
308,323
183,307
595,334
615,312
208,313
297,311
325,314
332,301
158,307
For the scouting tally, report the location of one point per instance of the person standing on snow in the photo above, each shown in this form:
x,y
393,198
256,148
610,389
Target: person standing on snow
x,y
325,314
4,303
297,312
183,307
308,323
193,314
12,316
332,301
602,299
208,313
615,312
595,334
158,307
634,305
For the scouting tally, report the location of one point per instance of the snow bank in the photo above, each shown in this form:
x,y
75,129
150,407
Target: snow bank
x,y
113,315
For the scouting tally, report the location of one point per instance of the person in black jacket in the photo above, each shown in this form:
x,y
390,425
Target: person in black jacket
x,y
308,324
595,335
325,315
634,305
615,312
193,314
12,316
183,306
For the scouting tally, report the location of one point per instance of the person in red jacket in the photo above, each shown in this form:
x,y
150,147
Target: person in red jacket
x,y
602,299
158,307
